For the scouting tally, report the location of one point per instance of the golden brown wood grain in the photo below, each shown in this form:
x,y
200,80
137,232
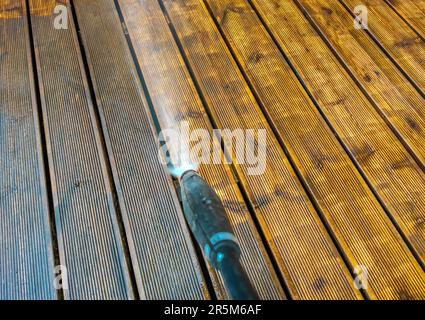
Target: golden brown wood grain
x,y
398,101
405,46
290,223
370,141
26,247
10,9
345,145
44,7
413,11
227,95
333,179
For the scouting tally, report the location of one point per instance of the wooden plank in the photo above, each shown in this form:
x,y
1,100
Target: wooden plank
x,y
89,240
393,174
404,46
26,255
174,99
412,11
322,162
399,103
305,255
161,250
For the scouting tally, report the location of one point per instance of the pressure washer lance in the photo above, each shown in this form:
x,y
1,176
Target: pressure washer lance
x,y
208,221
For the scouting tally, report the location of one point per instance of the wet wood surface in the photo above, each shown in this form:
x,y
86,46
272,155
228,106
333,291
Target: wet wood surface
x,y
81,183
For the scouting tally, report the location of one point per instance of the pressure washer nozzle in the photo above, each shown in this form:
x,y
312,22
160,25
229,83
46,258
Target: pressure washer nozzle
x,y
211,227
206,217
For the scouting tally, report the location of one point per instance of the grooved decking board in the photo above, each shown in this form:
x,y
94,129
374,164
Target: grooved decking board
x,y
306,256
234,107
403,44
328,172
413,11
397,179
377,150
328,73
161,250
26,257
90,245
398,101
174,99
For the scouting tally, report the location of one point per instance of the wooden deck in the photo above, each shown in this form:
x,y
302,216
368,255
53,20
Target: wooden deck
x,y
81,184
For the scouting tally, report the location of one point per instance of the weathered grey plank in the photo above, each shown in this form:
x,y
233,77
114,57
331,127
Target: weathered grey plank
x,y
26,257
89,240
